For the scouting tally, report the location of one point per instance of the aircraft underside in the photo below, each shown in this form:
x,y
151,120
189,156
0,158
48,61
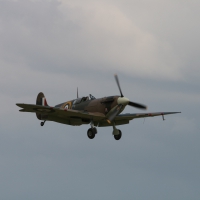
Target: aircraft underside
x,y
93,130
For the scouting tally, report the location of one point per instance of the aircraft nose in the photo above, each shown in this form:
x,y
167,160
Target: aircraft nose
x,y
123,101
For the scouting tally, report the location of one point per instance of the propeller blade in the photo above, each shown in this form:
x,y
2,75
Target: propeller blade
x,y
114,113
117,81
137,105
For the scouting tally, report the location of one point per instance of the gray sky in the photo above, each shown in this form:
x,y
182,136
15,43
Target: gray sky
x,y
55,46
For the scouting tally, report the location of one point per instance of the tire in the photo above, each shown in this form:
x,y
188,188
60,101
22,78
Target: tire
x,y
90,133
118,137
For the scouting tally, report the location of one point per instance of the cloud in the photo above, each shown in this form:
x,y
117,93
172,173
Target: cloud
x,y
184,125
113,38
74,35
56,46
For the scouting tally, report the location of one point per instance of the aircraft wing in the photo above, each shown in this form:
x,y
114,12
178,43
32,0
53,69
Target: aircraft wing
x,y
125,118
129,116
76,117
62,115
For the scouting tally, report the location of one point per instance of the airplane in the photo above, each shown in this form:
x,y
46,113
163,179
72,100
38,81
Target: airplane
x,y
99,112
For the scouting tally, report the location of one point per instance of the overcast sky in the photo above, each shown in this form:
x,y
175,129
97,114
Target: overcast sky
x,y
56,46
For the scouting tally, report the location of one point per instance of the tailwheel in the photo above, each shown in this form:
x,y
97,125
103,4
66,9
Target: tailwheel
x,y
117,137
42,123
91,132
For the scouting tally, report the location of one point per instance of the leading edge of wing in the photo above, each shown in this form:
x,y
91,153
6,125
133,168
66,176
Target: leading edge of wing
x,y
59,112
142,115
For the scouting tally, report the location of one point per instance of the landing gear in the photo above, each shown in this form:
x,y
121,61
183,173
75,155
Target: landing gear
x,y
117,137
91,132
94,129
116,132
42,123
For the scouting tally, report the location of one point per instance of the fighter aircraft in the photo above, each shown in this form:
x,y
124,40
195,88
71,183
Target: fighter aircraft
x,y
89,110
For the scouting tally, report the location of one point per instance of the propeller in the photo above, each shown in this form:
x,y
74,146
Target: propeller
x,y
124,101
121,101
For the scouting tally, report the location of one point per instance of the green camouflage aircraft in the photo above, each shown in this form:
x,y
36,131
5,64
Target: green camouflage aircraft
x,y
89,110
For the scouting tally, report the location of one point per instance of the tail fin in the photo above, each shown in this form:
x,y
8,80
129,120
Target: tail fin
x,y
41,100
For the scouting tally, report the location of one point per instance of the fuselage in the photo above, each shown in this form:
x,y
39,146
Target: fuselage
x,y
102,105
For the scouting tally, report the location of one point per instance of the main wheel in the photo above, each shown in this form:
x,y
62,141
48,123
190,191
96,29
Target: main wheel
x,y
117,137
42,123
90,133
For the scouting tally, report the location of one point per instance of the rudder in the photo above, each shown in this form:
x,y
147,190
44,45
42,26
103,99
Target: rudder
x,y
41,100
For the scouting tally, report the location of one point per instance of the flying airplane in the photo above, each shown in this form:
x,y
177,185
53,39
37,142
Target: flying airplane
x,y
89,110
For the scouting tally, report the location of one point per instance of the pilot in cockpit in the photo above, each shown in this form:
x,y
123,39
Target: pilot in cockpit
x,y
92,97
84,99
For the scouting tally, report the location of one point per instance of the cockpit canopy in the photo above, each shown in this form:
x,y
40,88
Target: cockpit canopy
x,y
80,100
91,97
83,99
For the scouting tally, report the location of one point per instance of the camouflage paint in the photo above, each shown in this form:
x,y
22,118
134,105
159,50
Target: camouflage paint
x,y
101,105
41,100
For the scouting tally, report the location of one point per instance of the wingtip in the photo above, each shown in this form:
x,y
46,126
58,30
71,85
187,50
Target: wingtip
x,y
19,104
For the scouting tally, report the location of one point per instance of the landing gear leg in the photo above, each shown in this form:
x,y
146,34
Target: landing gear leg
x,y
117,133
92,131
42,123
